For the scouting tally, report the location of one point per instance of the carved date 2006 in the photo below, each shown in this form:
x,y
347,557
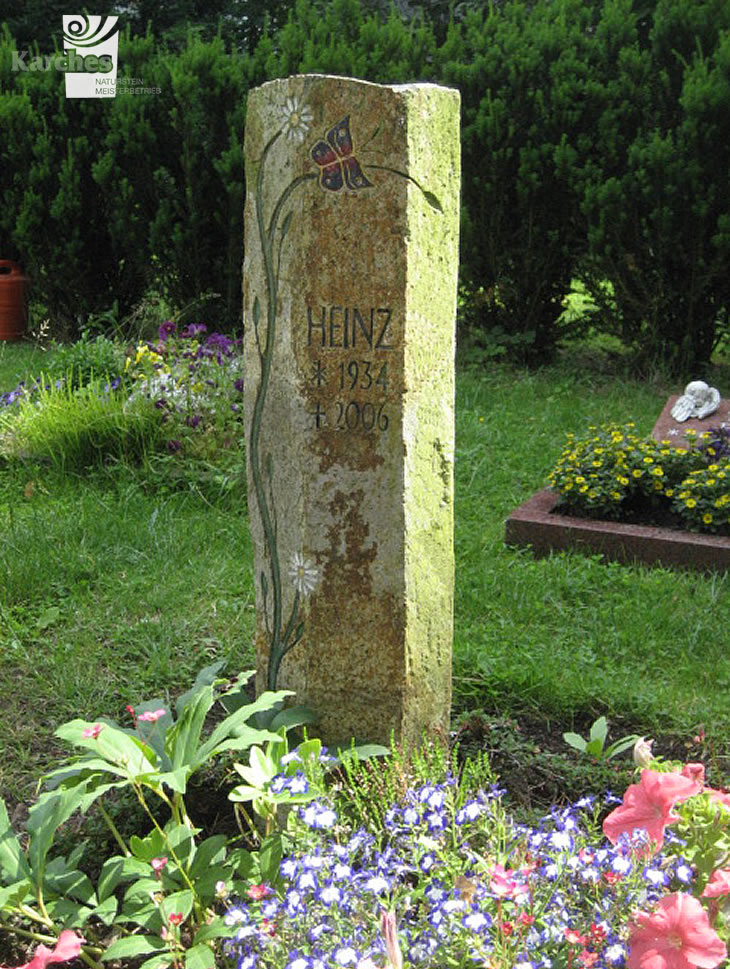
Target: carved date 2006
x,y
354,389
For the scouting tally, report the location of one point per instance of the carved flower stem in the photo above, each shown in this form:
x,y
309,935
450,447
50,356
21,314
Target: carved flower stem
x,y
278,644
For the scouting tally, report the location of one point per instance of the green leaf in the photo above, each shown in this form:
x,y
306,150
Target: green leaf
x,y
71,883
106,911
236,697
133,945
199,957
219,739
432,200
594,748
256,311
47,618
208,676
12,859
148,848
286,224
72,914
242,862
244,793
619,746
183,739
209,852
181,902
363,752
176,779
599,730
205,882
214,930
113,750
270,855
45,817
157,962
295,716
109,877
12,895
575,740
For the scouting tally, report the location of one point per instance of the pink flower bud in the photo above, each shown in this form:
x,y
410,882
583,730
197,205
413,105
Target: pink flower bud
x,y
92,732
392,947
642,752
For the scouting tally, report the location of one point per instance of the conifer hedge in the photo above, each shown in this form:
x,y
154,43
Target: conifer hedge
x,y
595,146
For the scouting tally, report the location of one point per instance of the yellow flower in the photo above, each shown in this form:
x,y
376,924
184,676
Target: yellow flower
x,y
657,472
669,492
637,472
583,489
623,481
713,467
616,495
648,460
690,503
707,518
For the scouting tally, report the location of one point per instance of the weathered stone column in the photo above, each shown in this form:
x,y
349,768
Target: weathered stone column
x,y
349,305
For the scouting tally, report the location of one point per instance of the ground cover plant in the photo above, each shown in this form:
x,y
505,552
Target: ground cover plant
x,y
614,473
123,582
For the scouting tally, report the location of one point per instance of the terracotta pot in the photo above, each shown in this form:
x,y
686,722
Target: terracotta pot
x,y
13,306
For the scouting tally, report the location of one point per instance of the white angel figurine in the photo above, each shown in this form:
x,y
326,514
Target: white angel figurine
x,y
699,400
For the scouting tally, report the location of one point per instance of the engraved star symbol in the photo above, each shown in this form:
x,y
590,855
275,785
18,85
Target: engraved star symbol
x,y
318,374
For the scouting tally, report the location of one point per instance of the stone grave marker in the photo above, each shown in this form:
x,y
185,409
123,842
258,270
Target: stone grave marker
x,y
352,201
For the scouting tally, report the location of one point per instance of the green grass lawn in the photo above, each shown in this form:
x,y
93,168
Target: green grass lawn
x,y
118,586
570,636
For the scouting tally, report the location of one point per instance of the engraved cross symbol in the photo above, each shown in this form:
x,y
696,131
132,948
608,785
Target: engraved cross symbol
x,y
319,415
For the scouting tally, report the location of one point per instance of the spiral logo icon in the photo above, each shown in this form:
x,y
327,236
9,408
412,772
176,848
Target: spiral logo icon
x,y
90,45
82,31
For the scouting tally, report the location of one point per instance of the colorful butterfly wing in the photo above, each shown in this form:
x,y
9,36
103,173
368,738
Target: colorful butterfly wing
x,y
330,176
354,176
340,139
338,164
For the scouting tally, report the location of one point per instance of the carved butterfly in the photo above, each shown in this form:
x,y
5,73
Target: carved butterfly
x,y
336,160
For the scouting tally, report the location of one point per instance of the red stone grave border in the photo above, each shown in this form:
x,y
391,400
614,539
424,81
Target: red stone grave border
x,y
536,525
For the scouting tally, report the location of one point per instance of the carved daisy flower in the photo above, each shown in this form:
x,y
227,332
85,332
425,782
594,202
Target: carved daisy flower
x,y
303,574
296,118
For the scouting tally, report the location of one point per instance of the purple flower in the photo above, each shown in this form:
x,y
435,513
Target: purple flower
x,y
166,330
173,446
193,329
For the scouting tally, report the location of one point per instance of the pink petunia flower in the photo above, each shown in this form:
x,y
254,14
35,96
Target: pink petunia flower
x,y
677,935
67,947
151,716
92,732
502,884
158,864
718,885
695,772
648,805
257,892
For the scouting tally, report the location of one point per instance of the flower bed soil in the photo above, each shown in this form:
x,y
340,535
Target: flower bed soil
x,y
536,524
